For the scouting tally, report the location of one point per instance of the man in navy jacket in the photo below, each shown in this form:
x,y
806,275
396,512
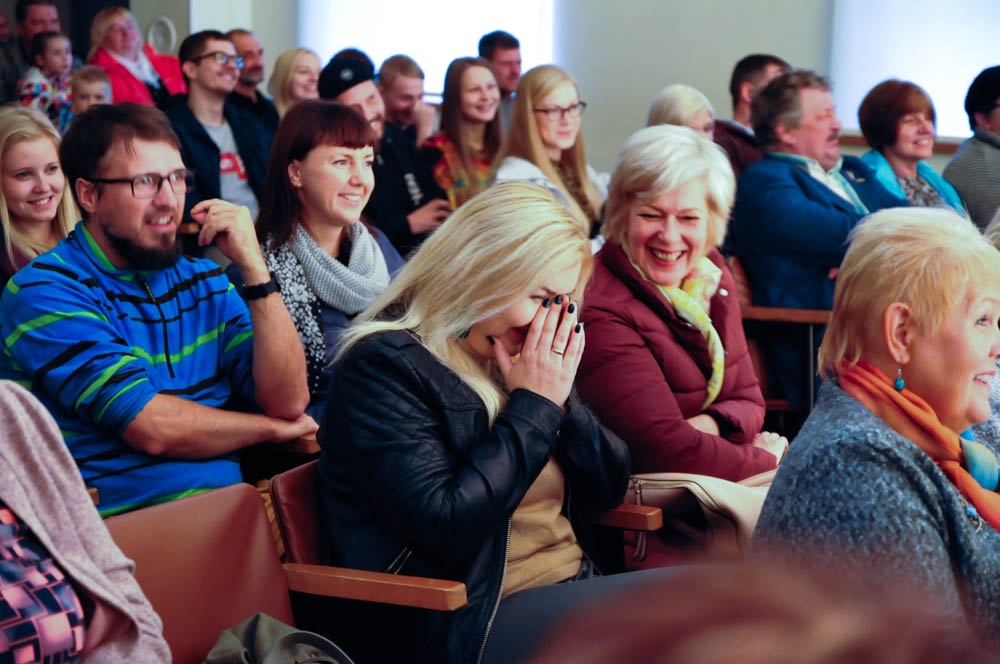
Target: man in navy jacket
x,y
225,145
796,206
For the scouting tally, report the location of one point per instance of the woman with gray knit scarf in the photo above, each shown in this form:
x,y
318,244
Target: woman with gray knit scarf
x,y
328,266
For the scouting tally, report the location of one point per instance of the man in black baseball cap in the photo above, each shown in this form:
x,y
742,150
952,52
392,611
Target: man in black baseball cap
x,y
975,169
406,204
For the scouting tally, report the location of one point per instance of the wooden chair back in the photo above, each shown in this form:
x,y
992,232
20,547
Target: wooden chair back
x,y
206,563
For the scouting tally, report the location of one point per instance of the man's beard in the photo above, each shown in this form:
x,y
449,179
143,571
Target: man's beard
x,y
141,258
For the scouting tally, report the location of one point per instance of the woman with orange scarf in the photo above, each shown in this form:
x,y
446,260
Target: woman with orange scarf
x,y
885,485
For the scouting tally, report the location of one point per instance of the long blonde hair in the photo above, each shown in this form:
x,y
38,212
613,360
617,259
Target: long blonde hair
x,y
280,83
19,124
493,250
523,140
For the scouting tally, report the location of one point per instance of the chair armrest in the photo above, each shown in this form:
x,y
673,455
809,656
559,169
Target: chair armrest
x,y
787,315
415,591
189,228
92,492
632,517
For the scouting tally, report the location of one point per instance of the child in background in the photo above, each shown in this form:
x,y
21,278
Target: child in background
x,y
46,85
90,87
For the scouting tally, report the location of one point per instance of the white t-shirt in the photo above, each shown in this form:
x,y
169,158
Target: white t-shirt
x,y
234,185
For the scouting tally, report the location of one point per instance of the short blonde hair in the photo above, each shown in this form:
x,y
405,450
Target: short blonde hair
x,y
658,159
675,104
280,83
102,22
522,139
19,124
929,259
494,249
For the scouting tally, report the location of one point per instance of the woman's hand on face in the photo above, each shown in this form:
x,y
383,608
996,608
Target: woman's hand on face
x,y
774,443
550,353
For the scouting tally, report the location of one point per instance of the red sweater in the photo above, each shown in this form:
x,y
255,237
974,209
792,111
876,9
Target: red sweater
x,y
645,371
126,87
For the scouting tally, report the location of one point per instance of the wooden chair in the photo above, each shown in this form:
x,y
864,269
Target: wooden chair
x,y
208,562
755,322
295,495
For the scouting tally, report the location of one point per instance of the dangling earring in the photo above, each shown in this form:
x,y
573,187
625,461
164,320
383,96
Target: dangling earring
x,y
899,384
463,334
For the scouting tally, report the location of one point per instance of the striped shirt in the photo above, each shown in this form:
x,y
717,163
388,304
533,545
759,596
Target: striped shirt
x,y
95,343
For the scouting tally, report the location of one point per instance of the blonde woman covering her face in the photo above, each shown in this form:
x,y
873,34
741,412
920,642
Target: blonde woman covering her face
x,y
884,482
544,144
455,389
36,211
666,366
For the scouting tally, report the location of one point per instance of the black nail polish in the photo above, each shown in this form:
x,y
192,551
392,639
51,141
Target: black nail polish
x,y
490,339
558,299
578,328
546,302
571,308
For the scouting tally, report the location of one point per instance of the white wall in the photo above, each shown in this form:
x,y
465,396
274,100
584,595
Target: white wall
x,y
620,51
623,52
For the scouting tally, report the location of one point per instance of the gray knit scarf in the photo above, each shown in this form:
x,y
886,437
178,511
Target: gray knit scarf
x,y
348,288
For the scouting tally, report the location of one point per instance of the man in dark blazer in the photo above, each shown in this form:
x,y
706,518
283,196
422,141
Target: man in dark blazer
x,y
796,206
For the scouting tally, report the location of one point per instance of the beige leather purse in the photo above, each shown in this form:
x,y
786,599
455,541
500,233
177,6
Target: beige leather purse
x,y
717,515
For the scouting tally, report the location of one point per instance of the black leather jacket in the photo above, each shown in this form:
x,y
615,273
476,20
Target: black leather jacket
x,y
415,481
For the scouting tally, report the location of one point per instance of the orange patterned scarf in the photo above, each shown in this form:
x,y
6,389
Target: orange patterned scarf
x,y
912,417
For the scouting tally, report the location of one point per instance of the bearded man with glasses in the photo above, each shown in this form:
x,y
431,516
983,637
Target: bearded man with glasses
x,y
227,146
135,349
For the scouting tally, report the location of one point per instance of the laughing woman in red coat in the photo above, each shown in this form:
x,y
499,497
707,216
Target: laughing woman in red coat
x,y
666,364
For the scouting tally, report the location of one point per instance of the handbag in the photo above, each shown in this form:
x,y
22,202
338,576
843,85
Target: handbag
x,y
703,516
260,639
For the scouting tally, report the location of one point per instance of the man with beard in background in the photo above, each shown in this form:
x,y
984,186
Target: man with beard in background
x,y
246,94
135,349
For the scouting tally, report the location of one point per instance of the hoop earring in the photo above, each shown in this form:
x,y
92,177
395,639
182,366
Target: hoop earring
x,y
899,384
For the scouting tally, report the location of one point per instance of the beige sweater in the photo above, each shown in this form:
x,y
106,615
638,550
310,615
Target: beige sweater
x,y
543,548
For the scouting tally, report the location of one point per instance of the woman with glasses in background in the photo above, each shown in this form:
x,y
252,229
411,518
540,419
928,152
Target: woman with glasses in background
x,y
544,145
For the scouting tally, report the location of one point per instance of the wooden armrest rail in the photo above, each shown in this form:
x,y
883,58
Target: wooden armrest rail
x,y
415,591
632,517
92,492
787,315
190,228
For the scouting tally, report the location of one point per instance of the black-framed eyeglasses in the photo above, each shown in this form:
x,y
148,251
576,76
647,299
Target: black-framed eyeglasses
x,y
558,112
148,185
221,58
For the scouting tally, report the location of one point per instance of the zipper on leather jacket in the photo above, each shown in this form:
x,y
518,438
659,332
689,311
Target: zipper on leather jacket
x,y
397,563
496,604
163,321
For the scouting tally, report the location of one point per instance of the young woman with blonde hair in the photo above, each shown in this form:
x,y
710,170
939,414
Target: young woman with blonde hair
x,y
544,145
450,458
294,79
462,152
35,212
